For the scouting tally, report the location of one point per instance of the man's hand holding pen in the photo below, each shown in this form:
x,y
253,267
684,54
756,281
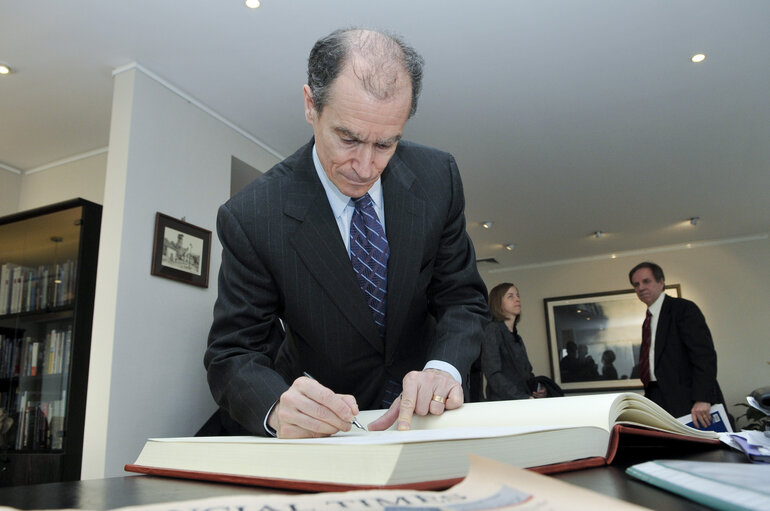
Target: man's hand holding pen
x,y
310,410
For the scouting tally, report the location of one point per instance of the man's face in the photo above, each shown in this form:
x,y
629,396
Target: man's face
x,y
356,134
647,288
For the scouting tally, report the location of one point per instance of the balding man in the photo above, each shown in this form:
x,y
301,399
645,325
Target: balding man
x,y
348,261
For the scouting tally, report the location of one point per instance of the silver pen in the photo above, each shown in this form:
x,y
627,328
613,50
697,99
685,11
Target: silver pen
x,y
354,421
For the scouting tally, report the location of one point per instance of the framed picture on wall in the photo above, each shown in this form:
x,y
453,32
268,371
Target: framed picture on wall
x,y
181,251
594,339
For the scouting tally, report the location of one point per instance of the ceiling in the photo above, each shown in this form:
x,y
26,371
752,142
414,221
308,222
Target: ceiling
x,y
565,116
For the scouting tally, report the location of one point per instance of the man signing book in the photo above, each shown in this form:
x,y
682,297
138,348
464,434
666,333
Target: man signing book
x,y
348,261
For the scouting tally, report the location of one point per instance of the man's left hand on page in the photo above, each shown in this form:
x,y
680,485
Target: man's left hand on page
x,y
428,391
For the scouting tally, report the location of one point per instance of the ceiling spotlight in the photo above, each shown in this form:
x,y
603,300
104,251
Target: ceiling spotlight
x,y
598,235
509,246
487,224
5,69
698,57
252,4
694,220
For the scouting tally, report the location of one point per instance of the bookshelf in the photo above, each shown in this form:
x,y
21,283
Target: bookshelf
x,y
48,260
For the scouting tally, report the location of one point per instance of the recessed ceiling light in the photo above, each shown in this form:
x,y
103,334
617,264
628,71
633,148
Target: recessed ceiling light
x,y
698,57
509,246
487,224
5,69
253,4
598,235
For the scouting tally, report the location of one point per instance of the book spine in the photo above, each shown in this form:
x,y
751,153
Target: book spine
x,y
5,288
34,359
21,427
67,351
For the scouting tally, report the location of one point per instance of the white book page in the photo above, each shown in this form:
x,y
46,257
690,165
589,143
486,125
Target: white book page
x,y
358,437
593,410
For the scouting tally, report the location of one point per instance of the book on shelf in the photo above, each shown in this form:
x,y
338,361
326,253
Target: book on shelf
x,y
6,280
40,423
25,289
549,435
39,406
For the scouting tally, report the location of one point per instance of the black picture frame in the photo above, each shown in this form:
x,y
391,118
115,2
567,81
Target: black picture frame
x,y
181,251
596,323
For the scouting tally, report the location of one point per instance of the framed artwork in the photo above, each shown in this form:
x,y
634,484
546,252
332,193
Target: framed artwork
x,y
181,251
594,339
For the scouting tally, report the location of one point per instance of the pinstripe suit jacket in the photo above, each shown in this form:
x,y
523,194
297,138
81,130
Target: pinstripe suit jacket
x,y
283,257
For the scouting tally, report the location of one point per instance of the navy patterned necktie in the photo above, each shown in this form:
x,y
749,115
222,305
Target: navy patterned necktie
x,y
369,254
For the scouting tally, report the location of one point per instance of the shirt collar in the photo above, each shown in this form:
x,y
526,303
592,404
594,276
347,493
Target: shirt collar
x,y
337,200
657,304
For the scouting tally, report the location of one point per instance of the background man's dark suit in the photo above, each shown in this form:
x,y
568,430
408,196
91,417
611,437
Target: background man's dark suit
x,y
283,256
685,359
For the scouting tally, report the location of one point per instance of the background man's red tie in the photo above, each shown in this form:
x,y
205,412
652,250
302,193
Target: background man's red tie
x,y
644,354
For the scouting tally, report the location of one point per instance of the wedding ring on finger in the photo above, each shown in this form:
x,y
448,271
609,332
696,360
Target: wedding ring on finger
x,y
438,398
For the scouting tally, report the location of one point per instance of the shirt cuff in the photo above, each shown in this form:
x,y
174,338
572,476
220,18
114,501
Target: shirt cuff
x,y
445,366
270,431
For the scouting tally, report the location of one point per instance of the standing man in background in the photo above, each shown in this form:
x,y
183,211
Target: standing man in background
x,y
677,363
356,244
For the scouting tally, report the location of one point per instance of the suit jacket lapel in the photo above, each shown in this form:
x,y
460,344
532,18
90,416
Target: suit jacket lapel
x,y
660,330
319,246
404,217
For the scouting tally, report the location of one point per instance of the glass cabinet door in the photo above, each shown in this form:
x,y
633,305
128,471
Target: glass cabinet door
x,y
38,275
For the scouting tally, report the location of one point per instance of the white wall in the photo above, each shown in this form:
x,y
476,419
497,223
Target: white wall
x,y
83,177
730,282
10,185
147,377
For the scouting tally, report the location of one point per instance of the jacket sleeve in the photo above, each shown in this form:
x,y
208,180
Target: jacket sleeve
x,y
457,297
699,345
245,333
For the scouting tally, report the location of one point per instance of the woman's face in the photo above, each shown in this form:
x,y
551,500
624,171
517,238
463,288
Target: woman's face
x,y
511,303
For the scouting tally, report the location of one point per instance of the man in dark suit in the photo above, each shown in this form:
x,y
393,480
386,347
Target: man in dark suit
x,y
290,302
682,362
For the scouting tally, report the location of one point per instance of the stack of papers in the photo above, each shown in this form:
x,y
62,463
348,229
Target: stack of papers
x,y
754,444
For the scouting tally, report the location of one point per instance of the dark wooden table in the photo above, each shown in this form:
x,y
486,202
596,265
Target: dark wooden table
x,y
117,492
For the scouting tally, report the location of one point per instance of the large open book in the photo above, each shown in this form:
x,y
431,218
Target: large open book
x,y
552,434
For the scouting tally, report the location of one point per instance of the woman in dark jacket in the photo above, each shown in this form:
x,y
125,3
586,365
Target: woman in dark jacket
x,y
504,358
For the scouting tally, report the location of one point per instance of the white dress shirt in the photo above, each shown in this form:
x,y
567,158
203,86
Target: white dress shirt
x,y
655,312
342,209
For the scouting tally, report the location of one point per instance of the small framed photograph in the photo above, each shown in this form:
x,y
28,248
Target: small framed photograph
x,y
181,251
594,340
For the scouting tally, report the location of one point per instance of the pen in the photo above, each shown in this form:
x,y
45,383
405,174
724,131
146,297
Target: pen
x,y
354,421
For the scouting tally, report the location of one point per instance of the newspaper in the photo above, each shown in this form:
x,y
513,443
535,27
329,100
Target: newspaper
x,y
490,485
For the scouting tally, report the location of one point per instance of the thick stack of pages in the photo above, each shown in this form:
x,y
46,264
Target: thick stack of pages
x,y
555,434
